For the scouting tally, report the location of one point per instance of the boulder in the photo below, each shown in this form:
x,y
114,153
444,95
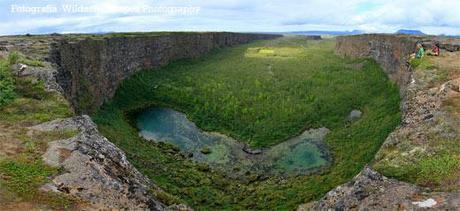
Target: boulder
x,y
354,115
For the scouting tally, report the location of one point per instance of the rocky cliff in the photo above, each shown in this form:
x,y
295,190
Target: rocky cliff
x,y
424,148
390,51
94,170
90,70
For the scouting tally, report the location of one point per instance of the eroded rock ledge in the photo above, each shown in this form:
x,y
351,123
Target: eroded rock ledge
x,y
95,170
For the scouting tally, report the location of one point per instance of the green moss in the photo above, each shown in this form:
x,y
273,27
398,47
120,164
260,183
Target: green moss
x,y
438,168
24,177
34,104
438,172
165,197
27,111
245,98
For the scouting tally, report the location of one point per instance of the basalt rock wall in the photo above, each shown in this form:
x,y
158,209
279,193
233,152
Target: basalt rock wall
x,y
91,69
390,51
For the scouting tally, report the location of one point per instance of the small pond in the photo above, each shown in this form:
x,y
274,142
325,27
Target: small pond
x,y
302,154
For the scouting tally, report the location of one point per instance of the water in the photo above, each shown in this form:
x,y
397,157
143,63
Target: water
x,y
299,155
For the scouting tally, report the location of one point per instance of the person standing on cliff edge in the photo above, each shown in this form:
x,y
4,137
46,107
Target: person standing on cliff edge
x,y
419,52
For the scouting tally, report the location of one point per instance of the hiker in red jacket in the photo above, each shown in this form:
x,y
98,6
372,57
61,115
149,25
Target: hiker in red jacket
x,y
434,50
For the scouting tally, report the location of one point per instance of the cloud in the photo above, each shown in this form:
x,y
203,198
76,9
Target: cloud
x,y
432,16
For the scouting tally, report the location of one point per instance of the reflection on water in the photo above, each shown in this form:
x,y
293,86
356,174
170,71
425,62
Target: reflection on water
x,y
299,155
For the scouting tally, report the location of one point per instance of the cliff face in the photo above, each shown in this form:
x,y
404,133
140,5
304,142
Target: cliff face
x,y
90,70
390,51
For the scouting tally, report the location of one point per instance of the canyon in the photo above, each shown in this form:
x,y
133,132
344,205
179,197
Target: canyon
x,y
88,70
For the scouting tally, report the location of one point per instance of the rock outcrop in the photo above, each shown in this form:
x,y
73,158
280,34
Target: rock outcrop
x,y
371,191
90,70
94,170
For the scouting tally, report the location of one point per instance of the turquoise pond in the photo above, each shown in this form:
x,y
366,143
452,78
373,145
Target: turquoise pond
x,y
302,154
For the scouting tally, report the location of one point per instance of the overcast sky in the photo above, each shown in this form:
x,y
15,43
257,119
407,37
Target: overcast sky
x,y
47,16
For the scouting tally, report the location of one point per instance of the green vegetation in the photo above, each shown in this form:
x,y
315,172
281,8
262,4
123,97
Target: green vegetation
x,y
16,57
427,73
22,170
439,168
22,174
7,81
422,63
34,105
439,171
7,94
29,103
125,34
260,100
434,163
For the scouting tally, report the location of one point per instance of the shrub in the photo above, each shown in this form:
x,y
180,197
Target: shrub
x,y
7,93
13,57
16,57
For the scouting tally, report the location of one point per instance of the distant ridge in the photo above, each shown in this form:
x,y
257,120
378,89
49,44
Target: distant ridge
x,y
330,33
410,32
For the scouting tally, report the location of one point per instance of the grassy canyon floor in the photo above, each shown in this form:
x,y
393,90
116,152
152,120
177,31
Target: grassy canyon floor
x,y
262,94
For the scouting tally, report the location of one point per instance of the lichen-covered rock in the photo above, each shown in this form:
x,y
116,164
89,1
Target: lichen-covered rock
x,y
46,74
371,191
426,132
95,170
